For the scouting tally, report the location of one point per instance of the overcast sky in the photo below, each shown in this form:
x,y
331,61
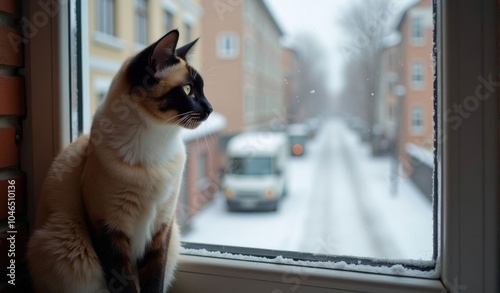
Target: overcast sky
x,y
318,18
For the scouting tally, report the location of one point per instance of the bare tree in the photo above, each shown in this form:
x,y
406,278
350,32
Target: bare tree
x,y
311,77
366,23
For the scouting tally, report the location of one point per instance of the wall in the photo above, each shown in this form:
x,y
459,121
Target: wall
x,y
13,225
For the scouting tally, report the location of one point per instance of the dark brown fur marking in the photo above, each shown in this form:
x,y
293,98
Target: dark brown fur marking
x,y
151,267
112,248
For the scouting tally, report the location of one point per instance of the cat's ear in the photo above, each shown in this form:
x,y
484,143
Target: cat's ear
x,y
185,51
164,50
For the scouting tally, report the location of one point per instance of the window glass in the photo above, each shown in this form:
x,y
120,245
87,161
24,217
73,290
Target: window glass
x,y
227,45
417,75
141,22
417,120
250,166
106,16
417,31
326,90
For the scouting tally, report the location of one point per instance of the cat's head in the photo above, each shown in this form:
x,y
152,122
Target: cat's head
x,y
166,86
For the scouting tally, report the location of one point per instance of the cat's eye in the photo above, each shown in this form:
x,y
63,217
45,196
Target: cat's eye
x,y
188,89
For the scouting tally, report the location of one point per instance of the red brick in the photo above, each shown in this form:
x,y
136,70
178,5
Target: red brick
x,y
9,6
9,152
16,192
12,96
11,48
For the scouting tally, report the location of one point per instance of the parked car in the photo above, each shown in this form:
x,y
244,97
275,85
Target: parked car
x,y
255,176
297,136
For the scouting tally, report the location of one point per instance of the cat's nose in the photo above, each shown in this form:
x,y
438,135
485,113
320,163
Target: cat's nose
x,y
208,108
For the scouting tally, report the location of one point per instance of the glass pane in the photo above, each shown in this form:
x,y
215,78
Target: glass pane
x,y
337,99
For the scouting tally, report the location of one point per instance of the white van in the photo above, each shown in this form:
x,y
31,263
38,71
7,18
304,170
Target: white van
x,y
255,175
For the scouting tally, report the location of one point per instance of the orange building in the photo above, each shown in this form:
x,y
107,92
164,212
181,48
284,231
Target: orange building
x,y
242,63
417,126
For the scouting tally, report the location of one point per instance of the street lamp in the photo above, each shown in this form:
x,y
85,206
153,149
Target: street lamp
x,y
400,93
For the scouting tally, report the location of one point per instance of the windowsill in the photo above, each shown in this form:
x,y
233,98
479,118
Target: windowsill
x,y
109,41
225,275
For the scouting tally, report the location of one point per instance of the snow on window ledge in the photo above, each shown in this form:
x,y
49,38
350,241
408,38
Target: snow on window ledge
x,y
394,269
423,155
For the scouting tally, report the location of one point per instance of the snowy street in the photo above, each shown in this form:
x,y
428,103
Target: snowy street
x,y
338,202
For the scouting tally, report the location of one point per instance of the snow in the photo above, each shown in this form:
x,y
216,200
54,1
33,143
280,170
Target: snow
x,y
396,269
339,203
423,155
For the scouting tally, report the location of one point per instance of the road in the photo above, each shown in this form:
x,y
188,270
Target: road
x,y
338,203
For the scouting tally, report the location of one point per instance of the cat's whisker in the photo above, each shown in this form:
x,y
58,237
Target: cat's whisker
x,y
208,146
178,122
187,113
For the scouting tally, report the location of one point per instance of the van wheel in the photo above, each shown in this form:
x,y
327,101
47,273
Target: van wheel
x,y
274,207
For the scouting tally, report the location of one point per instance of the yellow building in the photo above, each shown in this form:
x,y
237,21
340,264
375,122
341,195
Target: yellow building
x,y
119,29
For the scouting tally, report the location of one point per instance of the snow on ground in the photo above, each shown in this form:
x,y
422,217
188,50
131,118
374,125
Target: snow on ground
x,y
339,202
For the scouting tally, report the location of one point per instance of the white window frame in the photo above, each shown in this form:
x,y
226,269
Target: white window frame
x,y
106,17
224,53
107,37
141,22
469,203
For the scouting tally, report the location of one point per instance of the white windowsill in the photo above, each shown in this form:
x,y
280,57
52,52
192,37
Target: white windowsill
x,y
196,273
108,41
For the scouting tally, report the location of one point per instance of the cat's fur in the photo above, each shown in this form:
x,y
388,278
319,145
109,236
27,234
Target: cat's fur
x,y
106,217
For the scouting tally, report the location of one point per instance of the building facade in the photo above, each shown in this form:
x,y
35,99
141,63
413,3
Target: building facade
x,y
417,126
242,62
119,29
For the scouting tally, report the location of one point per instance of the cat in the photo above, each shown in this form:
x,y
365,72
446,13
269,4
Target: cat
x,y
105,221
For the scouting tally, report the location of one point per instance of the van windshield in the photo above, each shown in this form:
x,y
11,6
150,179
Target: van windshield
x,y
251,166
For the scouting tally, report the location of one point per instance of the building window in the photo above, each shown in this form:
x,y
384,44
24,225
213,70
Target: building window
x,y
417,30
141,22
417,120
168,21
227,46
417,75
106,17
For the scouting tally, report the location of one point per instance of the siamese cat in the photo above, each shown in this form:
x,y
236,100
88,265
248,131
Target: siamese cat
x,y
105,220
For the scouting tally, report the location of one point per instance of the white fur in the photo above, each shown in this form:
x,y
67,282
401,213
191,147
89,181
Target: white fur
x,y
149,144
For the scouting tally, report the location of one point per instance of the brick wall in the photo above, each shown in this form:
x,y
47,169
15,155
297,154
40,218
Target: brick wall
x,y
13,225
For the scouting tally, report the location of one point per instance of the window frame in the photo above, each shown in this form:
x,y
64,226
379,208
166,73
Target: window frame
x,y
417,70
231,53
468,208
417,26
417,110
141,25
108,26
